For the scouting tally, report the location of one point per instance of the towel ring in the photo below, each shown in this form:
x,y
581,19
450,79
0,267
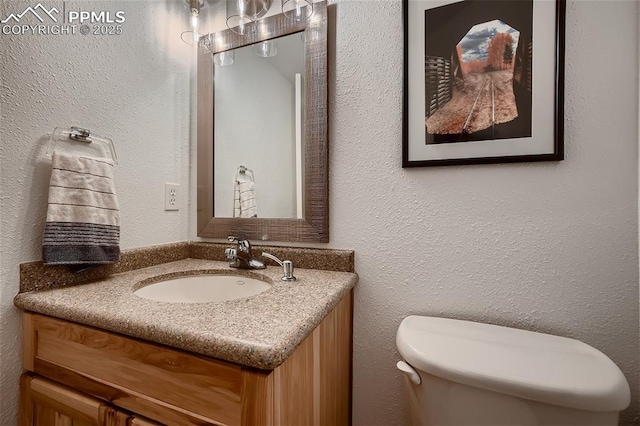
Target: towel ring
x,y
242,170
82,141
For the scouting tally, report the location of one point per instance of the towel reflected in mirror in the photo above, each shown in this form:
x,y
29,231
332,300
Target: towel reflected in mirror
x,y
244,199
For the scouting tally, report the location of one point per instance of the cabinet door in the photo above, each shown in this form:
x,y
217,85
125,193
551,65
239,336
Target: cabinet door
x,y
45,403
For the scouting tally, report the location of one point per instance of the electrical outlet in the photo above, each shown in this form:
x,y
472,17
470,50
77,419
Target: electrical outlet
x,y
171,196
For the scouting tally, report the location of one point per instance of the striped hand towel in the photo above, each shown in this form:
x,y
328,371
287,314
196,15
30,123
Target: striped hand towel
x,y
244,199
83,217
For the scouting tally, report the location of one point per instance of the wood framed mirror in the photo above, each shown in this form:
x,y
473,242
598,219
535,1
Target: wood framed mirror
x,y
308,221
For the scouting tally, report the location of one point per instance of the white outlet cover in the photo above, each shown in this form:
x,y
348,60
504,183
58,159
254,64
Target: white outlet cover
x,y
171,196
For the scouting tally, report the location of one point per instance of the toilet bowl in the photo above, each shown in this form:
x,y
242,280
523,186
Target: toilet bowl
x,y
466,373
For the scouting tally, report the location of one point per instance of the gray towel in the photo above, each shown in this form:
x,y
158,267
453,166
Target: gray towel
x,y
83,217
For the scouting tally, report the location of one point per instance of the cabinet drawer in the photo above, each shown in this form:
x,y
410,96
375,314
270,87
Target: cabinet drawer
x,y
151,377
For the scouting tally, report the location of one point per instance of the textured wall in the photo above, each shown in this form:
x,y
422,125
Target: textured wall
x,y
549,247
134,88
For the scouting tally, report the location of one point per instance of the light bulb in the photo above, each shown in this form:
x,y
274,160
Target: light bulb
x,y
194,24
192,37
298,11
266,49
224,59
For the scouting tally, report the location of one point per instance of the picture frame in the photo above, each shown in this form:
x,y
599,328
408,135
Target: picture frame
x,y
483,81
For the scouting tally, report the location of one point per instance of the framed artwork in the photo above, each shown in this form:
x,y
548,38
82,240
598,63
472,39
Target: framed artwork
x,y
483,81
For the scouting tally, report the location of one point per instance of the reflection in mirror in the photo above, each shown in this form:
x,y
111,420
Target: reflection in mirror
x,y
265,127
258,137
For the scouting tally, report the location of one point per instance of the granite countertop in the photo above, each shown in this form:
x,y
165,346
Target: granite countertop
x,y
261,331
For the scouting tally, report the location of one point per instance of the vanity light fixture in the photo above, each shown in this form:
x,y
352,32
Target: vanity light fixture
x,y
298,10
266,49
192,37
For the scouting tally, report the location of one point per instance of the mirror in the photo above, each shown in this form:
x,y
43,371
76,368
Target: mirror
x,y
258,121
262,131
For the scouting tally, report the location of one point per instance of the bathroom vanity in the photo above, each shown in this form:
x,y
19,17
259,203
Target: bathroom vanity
x,y
98,354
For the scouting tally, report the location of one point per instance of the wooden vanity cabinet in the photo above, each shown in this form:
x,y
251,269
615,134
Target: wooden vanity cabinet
x,y
80,375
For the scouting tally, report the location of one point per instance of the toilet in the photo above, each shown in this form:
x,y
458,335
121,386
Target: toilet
x,y
467,373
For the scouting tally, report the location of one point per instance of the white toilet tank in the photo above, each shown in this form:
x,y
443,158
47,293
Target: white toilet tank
x,y
467,373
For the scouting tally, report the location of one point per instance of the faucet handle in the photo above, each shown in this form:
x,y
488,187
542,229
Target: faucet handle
x,y
287,266
243,245
230,253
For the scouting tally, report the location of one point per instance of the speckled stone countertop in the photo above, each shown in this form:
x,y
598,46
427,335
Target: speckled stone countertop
x,y
261,331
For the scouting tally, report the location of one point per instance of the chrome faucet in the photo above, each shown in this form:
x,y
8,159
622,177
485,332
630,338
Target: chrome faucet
x,y
287,266
241,257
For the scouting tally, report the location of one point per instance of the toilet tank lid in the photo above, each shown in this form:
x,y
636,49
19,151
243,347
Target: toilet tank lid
x,y
535,366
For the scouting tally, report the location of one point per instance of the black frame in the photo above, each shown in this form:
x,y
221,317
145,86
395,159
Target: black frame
x,y
557,155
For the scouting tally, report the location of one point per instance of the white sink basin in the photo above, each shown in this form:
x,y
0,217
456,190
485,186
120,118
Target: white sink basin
x,y
203,289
